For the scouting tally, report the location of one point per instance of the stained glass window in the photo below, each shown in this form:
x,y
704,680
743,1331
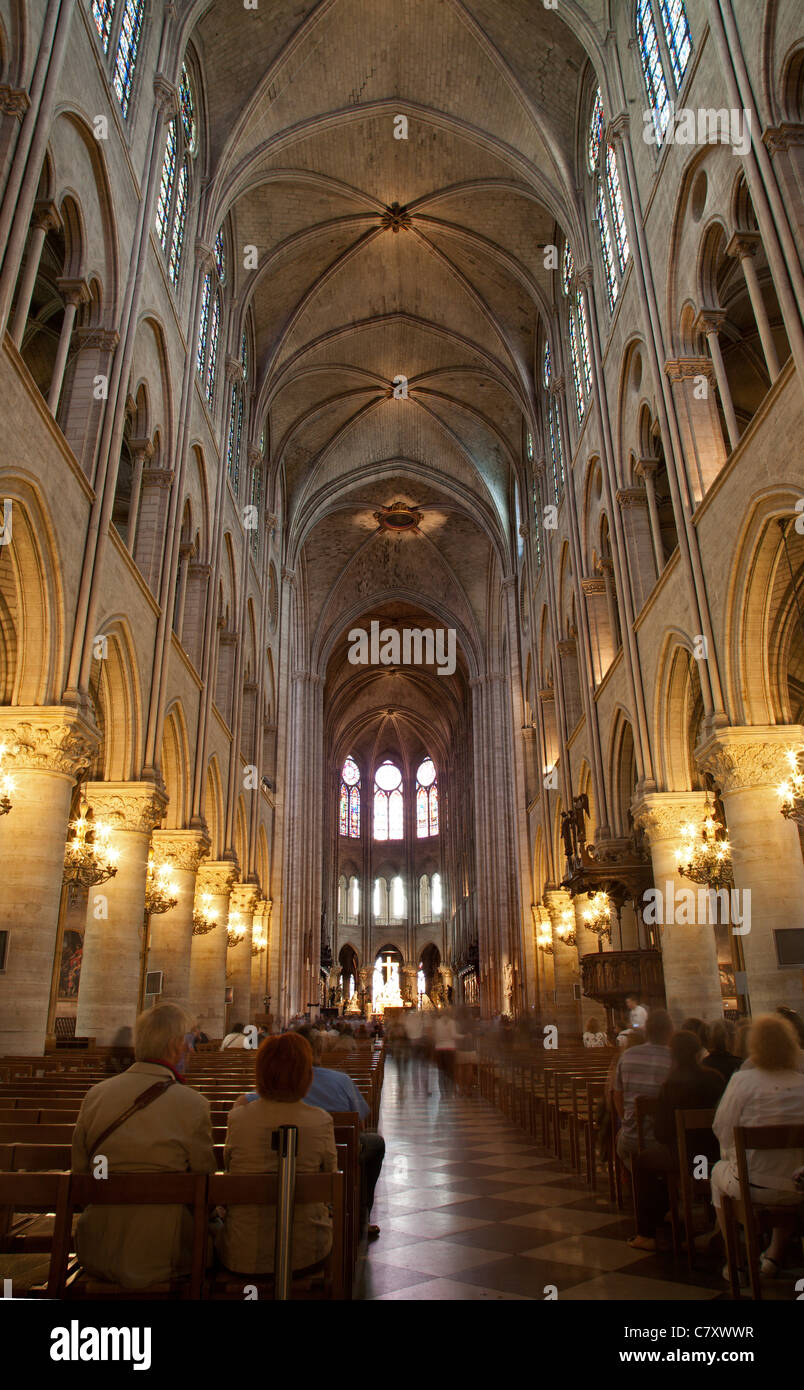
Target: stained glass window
x,y
567,269
556,450
652,69
537,526
388,803
203,326
426,800
617,209
256,502
547,370
595,131
187,104
529,446
174,192
349,800
212,348
576,370
220,256
604,232
165,199
679,39
103,14
583,339
180,217
127,48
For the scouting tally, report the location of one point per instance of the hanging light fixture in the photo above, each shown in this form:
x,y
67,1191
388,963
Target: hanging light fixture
x,y
205,916
792,791
544,938
597,914
235,930
161,889
566,927
6,786
89,858
259,942
705,854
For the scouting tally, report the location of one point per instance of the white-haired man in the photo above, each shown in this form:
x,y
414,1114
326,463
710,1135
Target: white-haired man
x,y
145,1120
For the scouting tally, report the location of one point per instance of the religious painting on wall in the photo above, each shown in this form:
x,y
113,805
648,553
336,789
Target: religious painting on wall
x,y
72,952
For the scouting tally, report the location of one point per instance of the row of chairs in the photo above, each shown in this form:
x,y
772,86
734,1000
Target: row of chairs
x,y
62,1195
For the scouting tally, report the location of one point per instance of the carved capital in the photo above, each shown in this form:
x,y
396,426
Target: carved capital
x,y
75,292
186,849
254,455
743,758
14,101
567,647
235,372
244,897
217,878
632,497
618,128
46,216
743,244
684,368
46,739
166,96
585,276
662,814
204,255
709,320
593,585
646,468
779,139
158,477
104,339
288,576
133,806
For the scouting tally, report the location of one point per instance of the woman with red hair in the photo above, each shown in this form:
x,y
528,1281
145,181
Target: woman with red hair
x,y
284,1073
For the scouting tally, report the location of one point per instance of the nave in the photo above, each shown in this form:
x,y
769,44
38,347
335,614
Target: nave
x,y
472,1209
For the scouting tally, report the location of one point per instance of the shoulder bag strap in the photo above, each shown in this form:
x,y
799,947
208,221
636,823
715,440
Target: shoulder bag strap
x,y
143,1099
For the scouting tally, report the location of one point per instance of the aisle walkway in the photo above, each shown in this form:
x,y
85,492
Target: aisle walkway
x,y
471,1209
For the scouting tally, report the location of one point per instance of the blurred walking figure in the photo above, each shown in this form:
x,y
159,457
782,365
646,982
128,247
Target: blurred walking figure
x,y
445,1042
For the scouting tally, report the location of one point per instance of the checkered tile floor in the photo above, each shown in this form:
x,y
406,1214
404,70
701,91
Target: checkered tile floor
x,y
470,1208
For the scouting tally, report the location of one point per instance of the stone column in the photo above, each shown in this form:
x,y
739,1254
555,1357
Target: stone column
x,y
785,145
601,637
646,469
410,972
242,901
748,765
260,929
565,963
113,942
44,749
208,953
634,505
708,322
142,451
45,219
76,293
689,951
704,450
172,932
154,494
744,246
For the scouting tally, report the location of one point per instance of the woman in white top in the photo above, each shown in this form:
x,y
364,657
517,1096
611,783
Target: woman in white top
x,y
237,1037
593,1037
769,1092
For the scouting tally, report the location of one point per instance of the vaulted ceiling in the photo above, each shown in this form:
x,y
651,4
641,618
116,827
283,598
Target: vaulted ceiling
x,y
383,257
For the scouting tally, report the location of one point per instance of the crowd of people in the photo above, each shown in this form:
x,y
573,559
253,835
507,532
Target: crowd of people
x,y
750,1074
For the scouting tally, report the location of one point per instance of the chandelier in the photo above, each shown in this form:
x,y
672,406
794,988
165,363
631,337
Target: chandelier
x,y
259,942
205,916
161,889
597,914
566,927
235,930
792,791
6,786
705,854
89,858
544,938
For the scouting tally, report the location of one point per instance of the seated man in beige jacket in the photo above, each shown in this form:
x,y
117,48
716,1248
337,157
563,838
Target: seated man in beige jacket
x,y
138,1246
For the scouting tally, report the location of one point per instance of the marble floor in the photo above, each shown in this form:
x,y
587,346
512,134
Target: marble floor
x,y
470,1208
